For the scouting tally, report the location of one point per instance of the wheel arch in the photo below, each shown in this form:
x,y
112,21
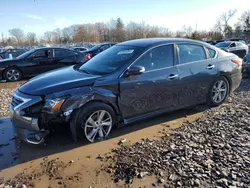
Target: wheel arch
x,y
12,66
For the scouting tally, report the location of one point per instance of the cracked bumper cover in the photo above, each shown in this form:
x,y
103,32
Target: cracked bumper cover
x,y
27,128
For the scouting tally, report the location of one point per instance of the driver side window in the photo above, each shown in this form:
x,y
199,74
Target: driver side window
x,y
157,58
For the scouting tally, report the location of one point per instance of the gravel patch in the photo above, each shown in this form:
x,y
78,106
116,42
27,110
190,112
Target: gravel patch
x,y
6,92
213,151
5,100
51,169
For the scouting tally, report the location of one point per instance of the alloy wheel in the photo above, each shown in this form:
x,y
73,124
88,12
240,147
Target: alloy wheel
x,y
13,75
219,91
98,125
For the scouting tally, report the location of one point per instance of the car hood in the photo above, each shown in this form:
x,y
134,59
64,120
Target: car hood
x,y
57,80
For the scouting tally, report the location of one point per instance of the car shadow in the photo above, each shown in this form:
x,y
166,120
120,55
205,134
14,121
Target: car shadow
x,y
13,153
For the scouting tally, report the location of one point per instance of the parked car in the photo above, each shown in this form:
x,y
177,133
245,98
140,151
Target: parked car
x,y
37,61
129,82
79,49
239,40
212,42
96,50
217,41
7,53
237,48
246,65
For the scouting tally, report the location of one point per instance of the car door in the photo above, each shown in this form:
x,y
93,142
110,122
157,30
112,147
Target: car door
x,y
197,71
64,58
155,89
233,48
38,62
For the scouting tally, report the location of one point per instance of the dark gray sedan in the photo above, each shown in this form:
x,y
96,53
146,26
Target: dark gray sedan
x,y
128,82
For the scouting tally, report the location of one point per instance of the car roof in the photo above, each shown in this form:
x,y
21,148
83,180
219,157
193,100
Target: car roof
x,y
148,42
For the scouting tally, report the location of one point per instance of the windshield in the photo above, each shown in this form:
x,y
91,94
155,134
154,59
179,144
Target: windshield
x,y
111,59
222,44
26,54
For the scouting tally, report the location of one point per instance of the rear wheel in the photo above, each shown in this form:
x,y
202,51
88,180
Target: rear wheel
x,y
218,92
96,120
12,74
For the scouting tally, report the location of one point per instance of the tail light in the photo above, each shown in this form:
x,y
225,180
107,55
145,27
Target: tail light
x,y
237,61
88,56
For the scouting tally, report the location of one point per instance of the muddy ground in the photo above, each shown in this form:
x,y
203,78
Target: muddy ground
x,y
61,163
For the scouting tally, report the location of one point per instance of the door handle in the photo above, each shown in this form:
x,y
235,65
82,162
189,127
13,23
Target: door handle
x,y
173,76
210,66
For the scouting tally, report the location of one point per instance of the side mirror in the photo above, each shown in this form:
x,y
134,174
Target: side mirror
x,y
135,70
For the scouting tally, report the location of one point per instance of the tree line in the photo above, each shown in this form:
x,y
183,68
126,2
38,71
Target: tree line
x,y
117,31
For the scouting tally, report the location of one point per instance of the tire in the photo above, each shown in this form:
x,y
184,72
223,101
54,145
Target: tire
x,y
212,100
12,74
94,129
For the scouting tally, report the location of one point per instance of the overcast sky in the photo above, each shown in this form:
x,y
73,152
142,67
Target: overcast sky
x,y
43,15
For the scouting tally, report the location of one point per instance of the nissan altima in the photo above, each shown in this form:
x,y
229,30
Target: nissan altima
x,y
128,82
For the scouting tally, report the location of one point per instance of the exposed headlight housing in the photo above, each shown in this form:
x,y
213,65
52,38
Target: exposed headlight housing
x,y
54,105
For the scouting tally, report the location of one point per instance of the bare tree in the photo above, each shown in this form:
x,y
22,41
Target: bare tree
x,y
58,35
48,35
18,34
31,37
222,24
188,31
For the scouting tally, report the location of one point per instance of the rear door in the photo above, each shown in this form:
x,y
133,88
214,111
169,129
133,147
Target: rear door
x,y
197,71
155,89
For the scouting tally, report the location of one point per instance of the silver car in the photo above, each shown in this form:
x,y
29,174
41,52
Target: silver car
x,y
238,48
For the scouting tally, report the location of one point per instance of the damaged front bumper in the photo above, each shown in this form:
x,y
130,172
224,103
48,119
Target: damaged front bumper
x,y
27,128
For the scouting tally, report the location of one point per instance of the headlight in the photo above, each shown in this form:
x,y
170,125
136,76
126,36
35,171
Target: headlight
x,y
54,105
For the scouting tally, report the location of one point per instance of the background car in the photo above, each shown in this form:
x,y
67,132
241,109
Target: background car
x,y
129,82
37,61
238,48
79,49
212,42
246,65
239,40
96,50
7,53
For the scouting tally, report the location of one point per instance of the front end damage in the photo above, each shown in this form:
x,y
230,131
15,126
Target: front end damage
x,y
33,117
31,120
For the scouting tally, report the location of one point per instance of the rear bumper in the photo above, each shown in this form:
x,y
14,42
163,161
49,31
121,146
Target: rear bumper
x,y
236,80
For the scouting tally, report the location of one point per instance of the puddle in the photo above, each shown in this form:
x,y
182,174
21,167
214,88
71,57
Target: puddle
x,y
8,145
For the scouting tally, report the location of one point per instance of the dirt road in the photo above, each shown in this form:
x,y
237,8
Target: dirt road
x,y
82,156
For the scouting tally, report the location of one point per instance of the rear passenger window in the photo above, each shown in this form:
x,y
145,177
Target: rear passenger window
x,y
157,58
190,53
211,53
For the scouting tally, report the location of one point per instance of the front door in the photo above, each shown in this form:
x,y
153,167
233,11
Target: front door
x,y
155,89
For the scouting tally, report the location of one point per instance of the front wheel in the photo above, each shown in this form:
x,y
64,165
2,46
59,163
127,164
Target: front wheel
x,y
96,120
218,92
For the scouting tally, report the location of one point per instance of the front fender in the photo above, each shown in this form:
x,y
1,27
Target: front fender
x,y
89,94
